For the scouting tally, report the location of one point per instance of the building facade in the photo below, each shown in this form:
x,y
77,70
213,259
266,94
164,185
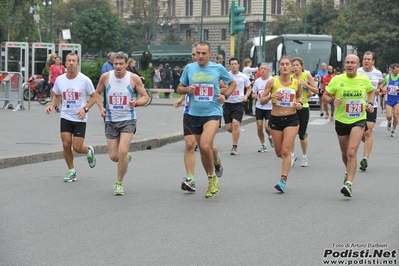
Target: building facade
x,y
185,20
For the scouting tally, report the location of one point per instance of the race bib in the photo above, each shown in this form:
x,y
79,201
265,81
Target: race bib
x,y
287,99
354,108
391,90
260,93
203,92
117,100
375,83
235,93
71,98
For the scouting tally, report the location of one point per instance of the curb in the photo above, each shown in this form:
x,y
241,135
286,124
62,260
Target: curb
x,y
145,144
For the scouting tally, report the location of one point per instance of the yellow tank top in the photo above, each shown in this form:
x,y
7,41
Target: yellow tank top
x,y
289,92
305,91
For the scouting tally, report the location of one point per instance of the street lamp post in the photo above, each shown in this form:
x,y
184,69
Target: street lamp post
x,y
166,23
36,17
47,3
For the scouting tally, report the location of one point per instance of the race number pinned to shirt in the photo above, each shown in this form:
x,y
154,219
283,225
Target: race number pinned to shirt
x,y
287,99
392,90
354,108
71,97
117,100
203,92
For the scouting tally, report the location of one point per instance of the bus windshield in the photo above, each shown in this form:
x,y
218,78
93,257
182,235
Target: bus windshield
x,y
312,52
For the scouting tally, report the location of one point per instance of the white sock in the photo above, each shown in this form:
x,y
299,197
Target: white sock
x,y
304,156
72,170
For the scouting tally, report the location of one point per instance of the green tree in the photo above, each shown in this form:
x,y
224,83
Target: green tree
x,y
99,29
373,26
319,17
16,23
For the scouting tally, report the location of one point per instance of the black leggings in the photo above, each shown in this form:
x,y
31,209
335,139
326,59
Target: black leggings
x,y
303,115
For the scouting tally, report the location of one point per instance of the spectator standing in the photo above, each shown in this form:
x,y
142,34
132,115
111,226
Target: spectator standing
x,y
55,70
109,64
46,73
175,77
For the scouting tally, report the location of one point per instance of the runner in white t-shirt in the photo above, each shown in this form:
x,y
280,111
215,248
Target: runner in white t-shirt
x,y
377,80
233,109
262,112
73,88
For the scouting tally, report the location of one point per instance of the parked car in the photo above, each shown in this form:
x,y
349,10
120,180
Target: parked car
x,y
314,102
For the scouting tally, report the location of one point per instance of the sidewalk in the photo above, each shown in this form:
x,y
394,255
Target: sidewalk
x,y
31,136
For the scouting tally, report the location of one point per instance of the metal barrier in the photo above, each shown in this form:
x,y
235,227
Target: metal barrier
x,y
11,90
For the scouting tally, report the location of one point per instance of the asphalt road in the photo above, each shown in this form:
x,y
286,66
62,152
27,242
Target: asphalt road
x,y
44,221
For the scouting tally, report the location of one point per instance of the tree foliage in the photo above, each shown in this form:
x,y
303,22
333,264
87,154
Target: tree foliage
x,y
365,24
99,29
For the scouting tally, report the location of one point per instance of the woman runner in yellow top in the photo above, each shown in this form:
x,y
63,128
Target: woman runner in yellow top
x,y
308,88
286,95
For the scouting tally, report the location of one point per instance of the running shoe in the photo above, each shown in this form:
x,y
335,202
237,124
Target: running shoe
x,y
271,142
363,164
331,118
91,158
393,134
326,116
280,186
213,187
345,177
321,114
129,157
304,162
262,148
188,185
70,177
234,151
118,189
293,160
219,168
389,125
346,190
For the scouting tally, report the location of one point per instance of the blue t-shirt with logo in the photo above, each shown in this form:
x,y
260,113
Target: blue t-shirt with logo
x,y
204,102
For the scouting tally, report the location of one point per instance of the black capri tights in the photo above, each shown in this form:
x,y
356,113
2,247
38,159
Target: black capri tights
x,y
303,116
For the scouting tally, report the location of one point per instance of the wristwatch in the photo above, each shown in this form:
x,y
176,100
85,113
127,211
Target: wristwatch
x,y
86,109
227,96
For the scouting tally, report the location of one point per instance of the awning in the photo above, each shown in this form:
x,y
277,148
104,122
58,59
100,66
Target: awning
x,y
171,56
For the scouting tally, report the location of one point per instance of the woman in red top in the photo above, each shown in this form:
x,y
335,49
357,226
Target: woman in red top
x,y
55,70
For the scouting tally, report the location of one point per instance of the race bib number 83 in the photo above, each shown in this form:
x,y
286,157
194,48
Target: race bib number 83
x,y
203,92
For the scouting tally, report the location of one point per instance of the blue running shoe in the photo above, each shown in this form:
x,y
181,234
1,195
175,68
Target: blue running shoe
x,y
280,186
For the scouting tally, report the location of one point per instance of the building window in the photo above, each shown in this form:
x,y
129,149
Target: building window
x,y
247,5
120,6
172,8
206,35
189,7
224,7
301,2
188,33
223,35
276,7
207,8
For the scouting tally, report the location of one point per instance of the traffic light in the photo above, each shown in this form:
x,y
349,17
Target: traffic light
x,y
237,18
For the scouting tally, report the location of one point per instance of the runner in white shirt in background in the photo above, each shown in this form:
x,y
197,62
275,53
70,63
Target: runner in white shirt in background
x,y
377,80
233,109
262,112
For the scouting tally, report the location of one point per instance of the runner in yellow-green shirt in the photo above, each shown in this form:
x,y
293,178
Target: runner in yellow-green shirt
x,y
309,88
350,91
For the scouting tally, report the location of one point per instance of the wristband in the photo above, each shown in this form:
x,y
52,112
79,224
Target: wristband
x,y
301,103
331,101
